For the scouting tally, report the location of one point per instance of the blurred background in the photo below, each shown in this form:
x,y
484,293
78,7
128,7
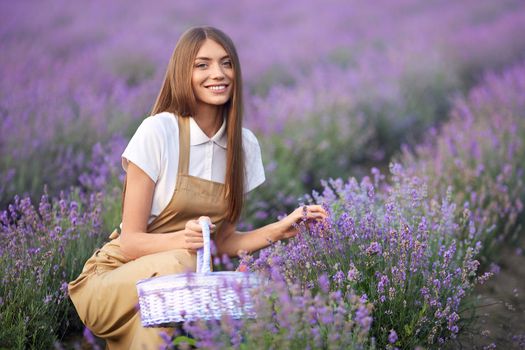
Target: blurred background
x,y
332,88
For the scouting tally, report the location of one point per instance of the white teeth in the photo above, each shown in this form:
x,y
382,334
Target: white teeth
x,y
218,87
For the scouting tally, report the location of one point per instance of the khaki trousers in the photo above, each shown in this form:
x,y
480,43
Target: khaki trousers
x,y
105,294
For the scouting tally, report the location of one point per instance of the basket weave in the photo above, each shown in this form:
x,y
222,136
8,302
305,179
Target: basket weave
x,y
166,300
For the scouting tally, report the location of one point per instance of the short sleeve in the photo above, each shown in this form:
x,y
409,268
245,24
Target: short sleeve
x,y
253,160
145,149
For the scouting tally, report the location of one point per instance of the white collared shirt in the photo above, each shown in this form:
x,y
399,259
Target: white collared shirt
x,y
155,149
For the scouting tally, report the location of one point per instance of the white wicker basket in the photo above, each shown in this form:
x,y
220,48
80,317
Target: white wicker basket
x,y
166,300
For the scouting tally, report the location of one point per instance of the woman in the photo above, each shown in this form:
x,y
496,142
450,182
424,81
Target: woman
x,y
191,159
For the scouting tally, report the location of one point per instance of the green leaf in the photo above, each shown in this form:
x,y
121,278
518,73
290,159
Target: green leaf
x,y
423,310
408,330
184,339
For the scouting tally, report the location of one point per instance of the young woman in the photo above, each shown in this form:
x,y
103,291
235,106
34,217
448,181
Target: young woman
x,y
191,159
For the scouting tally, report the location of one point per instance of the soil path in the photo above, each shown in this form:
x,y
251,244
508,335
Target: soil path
x,y
500,317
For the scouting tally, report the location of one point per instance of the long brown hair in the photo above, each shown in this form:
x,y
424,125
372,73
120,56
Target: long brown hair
x,y
176,96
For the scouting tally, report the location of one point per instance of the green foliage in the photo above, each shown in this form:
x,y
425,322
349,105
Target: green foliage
x,y
43,249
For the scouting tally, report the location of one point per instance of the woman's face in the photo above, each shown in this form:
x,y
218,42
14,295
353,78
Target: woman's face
x,y
213,75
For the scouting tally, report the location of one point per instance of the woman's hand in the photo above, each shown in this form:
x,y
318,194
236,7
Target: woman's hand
x,y
191,236
305,213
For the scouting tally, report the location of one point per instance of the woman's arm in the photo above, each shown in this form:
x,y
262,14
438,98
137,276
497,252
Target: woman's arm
x,y
231,242
134,240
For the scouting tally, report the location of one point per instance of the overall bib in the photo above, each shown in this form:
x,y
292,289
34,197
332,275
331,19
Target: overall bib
x,y
105,295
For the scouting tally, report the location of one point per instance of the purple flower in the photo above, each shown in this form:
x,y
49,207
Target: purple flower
x,y
324,283
383,282
392,336
261,215
363,318
90,338
353,273
494,268
338,277
452,319
373,249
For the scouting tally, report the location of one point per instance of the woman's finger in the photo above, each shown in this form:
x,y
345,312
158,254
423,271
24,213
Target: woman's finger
x,y
315,208
315,215
193,235
312,213
193,238
318,212
195,246
193,225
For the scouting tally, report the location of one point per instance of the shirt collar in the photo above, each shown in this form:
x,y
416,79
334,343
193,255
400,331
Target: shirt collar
x,y
198,137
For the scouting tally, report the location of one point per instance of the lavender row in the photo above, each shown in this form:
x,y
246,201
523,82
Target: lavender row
x,y
43,246
288,317
412,242
478,156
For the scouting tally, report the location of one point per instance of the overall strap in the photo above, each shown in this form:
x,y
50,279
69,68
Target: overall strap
x,y
184,145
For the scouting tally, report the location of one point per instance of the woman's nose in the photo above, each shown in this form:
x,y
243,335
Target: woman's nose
x,y
217,72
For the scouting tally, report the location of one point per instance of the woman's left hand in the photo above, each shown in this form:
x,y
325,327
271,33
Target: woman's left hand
x,y
305,213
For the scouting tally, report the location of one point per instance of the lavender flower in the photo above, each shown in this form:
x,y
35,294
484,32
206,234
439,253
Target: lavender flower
x,y
373,249
392,336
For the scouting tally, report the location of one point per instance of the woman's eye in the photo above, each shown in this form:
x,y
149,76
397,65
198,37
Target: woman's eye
x,y
227,64
201,65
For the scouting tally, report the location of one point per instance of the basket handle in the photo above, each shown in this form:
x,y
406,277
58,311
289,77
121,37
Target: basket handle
x,y
203,254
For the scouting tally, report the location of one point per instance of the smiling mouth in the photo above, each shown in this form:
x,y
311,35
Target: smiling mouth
x,y
217,88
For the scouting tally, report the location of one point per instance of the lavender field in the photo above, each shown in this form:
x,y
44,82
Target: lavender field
x,y
405,119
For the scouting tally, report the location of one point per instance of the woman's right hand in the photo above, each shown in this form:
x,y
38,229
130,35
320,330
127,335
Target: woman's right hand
x,y
306,213
191,236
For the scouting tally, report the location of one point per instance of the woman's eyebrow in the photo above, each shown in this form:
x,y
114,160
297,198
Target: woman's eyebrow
x,y
208,59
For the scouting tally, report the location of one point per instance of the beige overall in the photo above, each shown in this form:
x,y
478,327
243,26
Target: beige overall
x,y
105,295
